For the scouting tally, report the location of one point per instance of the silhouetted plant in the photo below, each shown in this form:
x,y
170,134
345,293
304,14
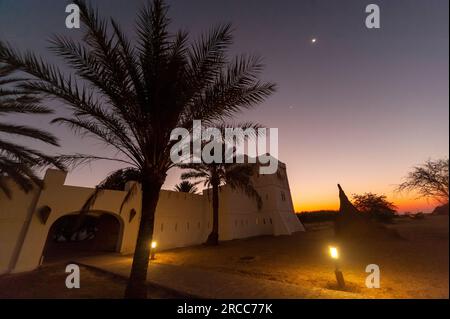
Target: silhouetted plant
x,y
375,206
236,175
185,187
132,95
17,161
116,180
429,180
317,216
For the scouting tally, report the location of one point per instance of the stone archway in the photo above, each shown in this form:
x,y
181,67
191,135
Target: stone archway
x,y
73,235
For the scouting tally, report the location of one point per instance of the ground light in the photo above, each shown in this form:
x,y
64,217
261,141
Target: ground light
x,y
153,246
334,253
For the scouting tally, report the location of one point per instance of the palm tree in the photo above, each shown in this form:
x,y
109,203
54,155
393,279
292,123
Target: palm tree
x,y
213,175
185,187
116,180
131,95
17,161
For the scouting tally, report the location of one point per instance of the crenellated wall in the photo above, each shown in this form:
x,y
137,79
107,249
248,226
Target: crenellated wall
x,y
181,219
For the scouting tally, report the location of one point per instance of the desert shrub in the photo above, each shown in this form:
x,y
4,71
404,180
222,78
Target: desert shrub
x,y
419,215
375,206
317,216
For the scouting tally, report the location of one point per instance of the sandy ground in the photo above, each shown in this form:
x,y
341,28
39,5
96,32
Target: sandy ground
x,y
414,267
49,283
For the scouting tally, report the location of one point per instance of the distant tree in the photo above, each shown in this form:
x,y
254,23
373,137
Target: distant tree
x,y
317,216
375,206
237,176
186,187
429,180
116,180
215,174
17,161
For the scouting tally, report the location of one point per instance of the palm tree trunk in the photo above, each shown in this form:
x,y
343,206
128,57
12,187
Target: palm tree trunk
x,y
137,287
213,238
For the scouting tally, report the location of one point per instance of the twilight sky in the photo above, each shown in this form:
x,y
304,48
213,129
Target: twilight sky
x,y
359,107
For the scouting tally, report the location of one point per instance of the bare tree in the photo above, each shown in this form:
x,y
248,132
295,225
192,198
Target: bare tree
x,y
429,180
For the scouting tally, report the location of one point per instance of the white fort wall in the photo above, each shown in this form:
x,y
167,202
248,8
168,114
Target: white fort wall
x,y
181,219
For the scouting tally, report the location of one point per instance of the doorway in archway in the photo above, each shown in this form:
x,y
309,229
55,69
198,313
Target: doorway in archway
x,y
73,236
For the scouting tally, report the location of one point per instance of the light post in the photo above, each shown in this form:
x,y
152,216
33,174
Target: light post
x,y
153,246
334,253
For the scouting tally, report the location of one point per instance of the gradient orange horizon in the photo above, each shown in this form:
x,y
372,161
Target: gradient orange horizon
x,y
309,190
405,203
359,107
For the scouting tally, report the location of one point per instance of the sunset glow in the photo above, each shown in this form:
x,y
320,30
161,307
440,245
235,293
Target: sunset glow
x,y
364,129
240,153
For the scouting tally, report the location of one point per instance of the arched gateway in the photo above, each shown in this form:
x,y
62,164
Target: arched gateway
x,y
76,235
32,225
33,217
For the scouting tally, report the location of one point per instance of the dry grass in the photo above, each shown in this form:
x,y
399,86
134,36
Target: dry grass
x,y
415,267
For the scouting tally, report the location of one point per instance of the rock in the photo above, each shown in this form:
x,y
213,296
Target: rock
x,y
352,224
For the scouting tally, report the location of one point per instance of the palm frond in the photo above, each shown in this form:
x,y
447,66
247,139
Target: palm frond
x,y
28,132
117,180
186,187
76,160
20,173
132,191
194,175
238,176
132,94
4,187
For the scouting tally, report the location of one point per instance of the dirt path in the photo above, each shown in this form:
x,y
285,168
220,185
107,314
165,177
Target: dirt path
x,y
294,266
49,283
204,283
416,267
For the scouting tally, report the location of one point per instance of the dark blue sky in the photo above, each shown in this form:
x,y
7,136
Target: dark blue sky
x,y
359,107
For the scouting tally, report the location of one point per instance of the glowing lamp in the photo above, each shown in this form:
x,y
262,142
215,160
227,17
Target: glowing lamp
x,y
334,252
153,246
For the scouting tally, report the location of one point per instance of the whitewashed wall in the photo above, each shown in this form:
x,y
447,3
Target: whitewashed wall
x,y
181,219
